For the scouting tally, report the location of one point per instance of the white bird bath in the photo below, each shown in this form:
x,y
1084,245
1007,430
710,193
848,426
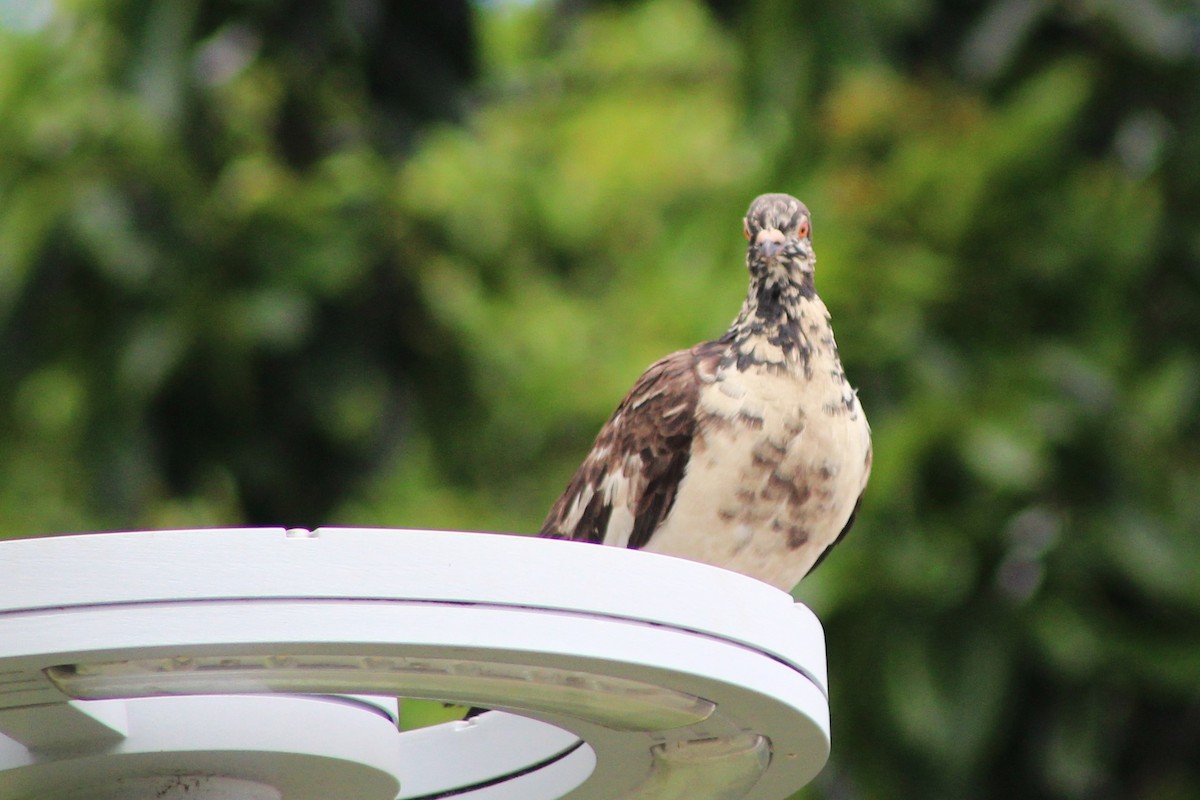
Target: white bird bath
x,y
248,664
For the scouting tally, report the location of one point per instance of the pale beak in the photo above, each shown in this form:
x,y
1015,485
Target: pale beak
x,y
770,242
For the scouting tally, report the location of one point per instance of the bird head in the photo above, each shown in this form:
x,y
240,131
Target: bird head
x,y
779,230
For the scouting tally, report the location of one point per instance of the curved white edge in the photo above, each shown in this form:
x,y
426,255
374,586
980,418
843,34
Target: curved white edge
x,y
553,780
403,564
309,748
551,761
518,600
754,692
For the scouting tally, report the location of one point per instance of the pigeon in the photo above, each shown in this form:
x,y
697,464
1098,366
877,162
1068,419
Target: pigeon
x,y
750,452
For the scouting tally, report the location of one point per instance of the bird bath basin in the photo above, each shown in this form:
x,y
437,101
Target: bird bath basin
x,y
264,663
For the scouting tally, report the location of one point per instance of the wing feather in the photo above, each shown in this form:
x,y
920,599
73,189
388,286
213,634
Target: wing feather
x,y
626,486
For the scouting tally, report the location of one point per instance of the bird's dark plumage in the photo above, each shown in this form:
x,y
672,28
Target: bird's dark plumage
x,y
749,452
655,424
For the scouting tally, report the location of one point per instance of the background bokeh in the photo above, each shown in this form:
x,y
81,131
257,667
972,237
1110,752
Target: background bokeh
x,y
392,264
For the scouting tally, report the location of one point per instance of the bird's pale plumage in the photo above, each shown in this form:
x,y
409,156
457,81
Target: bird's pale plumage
x,y
750,452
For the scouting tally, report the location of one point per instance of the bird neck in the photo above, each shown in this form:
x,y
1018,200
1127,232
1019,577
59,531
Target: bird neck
x,y
776,322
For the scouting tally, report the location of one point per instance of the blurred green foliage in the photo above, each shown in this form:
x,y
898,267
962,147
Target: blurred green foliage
x,y
393,264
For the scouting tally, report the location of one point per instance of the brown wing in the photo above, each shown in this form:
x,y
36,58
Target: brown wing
x,y
626,486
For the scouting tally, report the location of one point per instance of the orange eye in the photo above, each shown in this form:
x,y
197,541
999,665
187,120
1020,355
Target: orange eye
x,y
802,228
746,230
